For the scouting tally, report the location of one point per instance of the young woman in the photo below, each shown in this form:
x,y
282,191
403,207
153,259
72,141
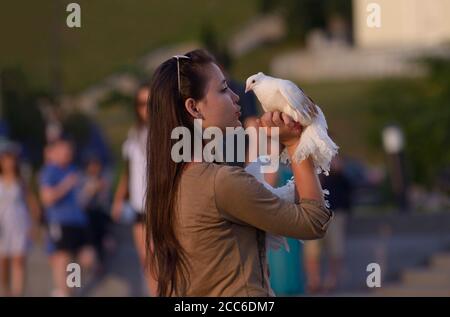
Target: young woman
x,y
132,184
206,221
16,202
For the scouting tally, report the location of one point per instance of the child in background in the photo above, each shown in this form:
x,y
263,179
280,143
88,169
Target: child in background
x,y
67,222
16,202
95,197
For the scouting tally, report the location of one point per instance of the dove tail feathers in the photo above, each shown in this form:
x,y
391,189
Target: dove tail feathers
x,y
316,143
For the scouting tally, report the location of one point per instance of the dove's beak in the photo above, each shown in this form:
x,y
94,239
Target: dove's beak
x,y
247,89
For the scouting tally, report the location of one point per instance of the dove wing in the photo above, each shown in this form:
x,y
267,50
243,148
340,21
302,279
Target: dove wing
x,y
297,99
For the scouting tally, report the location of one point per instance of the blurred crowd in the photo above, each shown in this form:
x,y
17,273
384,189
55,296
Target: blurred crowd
x,y
72,203
72,197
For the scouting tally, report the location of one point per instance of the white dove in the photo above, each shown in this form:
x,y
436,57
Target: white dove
x,y
282,95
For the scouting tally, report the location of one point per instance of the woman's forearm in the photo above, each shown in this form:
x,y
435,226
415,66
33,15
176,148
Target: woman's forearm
x,y
308,184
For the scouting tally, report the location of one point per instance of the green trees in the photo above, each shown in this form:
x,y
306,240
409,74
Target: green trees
x,y
304,15
421,107
21,112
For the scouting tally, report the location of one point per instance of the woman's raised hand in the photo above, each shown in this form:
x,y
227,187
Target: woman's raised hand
x,y
289,130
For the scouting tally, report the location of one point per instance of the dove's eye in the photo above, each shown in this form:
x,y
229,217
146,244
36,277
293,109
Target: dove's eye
x,y
253,81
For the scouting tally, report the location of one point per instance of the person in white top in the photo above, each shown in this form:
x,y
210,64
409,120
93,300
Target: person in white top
x,y
15,222
132,183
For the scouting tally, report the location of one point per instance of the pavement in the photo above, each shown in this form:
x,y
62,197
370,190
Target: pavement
x,y
121,275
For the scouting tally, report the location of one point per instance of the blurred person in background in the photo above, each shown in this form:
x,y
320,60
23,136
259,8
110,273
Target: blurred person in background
x,y
132,184
95,196
18,207
340,188
68,230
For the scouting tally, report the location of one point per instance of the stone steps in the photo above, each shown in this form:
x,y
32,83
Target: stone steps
x,y
427,277
430,281
410,291
441,261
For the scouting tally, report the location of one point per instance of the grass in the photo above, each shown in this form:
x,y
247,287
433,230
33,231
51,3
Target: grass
x,y
112,36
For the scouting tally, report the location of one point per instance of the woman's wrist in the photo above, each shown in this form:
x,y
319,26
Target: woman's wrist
x,y
291,147
306,178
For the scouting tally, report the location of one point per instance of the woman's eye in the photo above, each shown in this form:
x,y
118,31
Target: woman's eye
x,y
224,89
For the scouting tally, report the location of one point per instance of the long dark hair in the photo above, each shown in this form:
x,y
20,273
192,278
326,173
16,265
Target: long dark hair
x,y
167,259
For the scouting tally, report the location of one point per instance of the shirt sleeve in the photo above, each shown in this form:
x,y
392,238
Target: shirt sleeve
x,y
242,199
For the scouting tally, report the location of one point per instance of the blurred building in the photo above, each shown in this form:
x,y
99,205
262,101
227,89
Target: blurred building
x,y
409,30
403,23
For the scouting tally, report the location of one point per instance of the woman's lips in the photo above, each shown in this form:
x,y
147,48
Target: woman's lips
x,y
238,114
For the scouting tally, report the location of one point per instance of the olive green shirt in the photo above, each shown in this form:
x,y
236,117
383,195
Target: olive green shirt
x,y
223,213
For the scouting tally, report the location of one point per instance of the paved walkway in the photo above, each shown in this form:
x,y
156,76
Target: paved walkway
x,y
122,275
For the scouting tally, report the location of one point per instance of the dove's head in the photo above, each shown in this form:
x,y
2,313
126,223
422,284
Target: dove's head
x,y
253,81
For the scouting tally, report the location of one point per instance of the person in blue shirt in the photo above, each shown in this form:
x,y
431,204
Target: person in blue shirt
x,y
67,222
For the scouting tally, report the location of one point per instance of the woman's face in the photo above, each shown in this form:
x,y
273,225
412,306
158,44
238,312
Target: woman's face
x,y
141,106
8,162
219,107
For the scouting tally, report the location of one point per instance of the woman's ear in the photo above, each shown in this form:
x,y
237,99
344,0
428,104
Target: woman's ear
x,y
191,107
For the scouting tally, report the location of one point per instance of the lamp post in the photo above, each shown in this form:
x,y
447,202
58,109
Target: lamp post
x,y
393,143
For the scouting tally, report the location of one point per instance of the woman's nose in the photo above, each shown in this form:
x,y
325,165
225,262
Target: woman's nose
x,y
235,97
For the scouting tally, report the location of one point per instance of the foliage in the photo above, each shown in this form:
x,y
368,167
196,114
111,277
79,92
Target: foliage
x,y
21,111
302,16
421,107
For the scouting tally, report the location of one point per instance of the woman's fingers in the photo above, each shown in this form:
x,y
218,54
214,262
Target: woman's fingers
x,y
266,120
287,120
276,118
288,130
